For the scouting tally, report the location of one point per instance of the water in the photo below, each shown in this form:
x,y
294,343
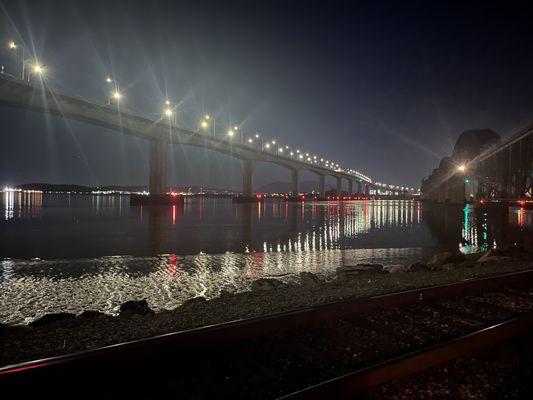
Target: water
x,y
76,252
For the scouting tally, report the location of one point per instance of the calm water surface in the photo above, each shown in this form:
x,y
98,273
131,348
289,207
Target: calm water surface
x,y
76,252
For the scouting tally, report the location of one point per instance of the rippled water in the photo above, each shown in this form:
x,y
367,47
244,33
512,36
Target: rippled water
x,y
96,252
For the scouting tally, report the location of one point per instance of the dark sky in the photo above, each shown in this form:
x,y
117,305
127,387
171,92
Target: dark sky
x,y
385,88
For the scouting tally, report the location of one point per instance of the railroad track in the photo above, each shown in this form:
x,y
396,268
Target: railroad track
x,y
337,349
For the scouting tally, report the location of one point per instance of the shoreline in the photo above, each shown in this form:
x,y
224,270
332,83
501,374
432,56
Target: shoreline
x,y
62,333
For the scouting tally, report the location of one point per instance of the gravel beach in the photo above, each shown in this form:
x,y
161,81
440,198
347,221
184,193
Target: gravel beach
x,y
66,333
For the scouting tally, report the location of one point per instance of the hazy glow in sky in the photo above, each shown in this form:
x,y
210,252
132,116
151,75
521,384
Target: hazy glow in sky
x,y
383,89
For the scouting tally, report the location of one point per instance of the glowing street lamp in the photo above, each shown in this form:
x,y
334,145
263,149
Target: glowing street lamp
x,y
115,93
37,69
461,168
258,136
13,47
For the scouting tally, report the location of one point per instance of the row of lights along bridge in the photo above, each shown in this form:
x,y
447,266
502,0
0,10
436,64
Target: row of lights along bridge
x,y
208,123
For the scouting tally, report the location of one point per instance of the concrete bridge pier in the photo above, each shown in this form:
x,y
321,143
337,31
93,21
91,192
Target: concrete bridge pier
x,y
294,180
339,185
157,178
247,178
322,185
158,168
350,187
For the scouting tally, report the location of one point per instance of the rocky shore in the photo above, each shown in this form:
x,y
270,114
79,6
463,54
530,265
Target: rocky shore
x,y
62,333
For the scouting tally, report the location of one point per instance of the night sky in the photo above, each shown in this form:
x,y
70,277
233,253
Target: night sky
x,y
382,88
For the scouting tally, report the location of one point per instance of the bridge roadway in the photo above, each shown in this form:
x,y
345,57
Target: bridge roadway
x,y
37,97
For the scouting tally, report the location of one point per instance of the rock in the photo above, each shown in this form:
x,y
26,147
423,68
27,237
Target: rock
x,y
262,284
309,279
473,256
90,314
194,302
492,256
135,307
417,267
439,259
50,318
392,269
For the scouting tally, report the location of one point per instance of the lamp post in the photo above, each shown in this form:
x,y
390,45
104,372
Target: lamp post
x,y
231,133
258,136
13,47
37,69
115,92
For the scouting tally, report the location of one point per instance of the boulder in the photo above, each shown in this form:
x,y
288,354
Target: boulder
x,y
417,267
262,284
473,256
392,269
309,279
439,259
90,314
51,318
135,307
193,302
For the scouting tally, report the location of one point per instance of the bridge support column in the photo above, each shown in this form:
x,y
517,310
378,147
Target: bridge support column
x,y
157,177
247,177
339,186
350,187
158,168
295,190
322,185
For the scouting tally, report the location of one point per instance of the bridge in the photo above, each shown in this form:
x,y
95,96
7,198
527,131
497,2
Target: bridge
x,y
162,133
484,168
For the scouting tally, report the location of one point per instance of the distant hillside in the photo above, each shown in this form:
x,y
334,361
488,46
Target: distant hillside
x,y
51,187
62,187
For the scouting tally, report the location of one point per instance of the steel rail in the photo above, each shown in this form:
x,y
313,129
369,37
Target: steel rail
x,y
113,357
346,386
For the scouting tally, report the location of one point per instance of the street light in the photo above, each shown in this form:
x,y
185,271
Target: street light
x,y
236,129
37,70
13,46
207,118
461,168
258,136
115,93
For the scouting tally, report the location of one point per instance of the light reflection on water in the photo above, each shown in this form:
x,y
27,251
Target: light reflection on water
x,y
170,254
